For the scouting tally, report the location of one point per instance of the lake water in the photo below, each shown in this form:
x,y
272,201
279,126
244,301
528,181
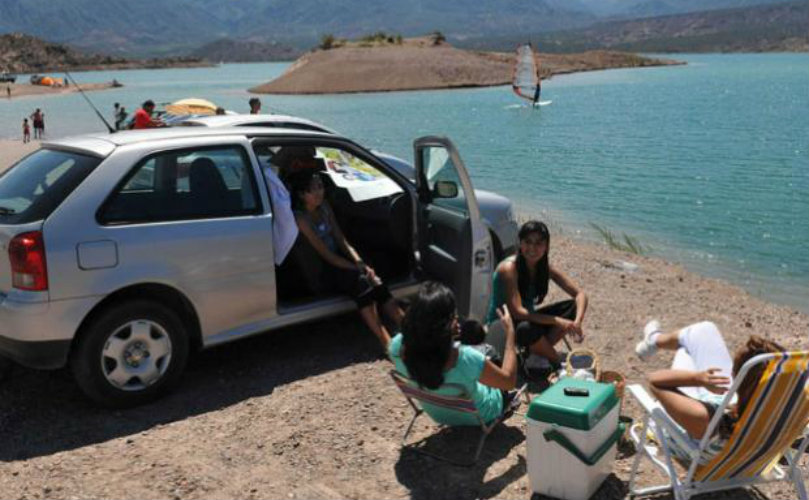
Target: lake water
x,y
707,164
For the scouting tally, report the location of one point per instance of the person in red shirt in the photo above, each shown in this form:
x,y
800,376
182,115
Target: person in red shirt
x,y
143,117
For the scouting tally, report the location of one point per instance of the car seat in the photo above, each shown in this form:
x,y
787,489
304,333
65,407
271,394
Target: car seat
x,y
207,187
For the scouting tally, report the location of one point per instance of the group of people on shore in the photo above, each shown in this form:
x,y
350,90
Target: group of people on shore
x,y
428,351
142,119
144,116
429,346
38,120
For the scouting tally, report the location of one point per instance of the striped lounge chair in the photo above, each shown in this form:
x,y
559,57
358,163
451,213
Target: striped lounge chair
x,y
461,402
761,442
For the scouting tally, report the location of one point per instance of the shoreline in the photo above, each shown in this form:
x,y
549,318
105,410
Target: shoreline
x,y
755,283
27,90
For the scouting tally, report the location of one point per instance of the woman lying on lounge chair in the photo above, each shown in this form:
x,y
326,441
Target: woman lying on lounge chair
x,y
701,373
426,352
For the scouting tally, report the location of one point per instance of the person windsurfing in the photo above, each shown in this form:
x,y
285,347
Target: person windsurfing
x,y
537,92
526,82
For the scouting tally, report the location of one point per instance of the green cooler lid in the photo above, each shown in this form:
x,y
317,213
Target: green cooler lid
x,y
573,412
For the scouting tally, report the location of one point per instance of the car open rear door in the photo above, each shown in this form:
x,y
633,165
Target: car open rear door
x,y
454,245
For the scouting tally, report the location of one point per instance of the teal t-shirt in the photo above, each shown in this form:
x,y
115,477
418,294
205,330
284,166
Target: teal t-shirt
x,y
499,297
466,372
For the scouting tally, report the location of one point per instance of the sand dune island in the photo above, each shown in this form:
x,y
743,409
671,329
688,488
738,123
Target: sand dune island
x,y
421,63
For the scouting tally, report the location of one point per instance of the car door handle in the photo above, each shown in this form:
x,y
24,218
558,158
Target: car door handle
x,y
482,258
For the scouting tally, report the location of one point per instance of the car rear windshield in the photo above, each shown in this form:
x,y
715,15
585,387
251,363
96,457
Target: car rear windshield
x,y
32,188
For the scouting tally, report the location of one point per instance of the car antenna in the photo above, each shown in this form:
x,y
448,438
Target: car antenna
x,y
109,128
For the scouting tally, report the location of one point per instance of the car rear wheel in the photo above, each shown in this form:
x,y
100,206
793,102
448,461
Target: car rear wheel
x,y
132,353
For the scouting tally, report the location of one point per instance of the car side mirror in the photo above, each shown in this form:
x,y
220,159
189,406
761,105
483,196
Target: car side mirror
x,y
445,189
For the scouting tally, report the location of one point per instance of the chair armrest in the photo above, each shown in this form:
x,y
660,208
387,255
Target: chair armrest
x,y
646,401
662,419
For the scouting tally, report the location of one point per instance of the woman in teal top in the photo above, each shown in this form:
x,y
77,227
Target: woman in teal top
x,y
521,283
426,352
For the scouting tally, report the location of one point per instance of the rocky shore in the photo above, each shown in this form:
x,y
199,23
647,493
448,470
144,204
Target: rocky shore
x,y
420,64
310,412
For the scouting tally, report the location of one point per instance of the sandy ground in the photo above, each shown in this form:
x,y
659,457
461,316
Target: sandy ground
x,y
11,151
310,412
410,67
26,89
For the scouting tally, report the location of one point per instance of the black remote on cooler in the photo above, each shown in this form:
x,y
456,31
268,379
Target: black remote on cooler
x,y
576,391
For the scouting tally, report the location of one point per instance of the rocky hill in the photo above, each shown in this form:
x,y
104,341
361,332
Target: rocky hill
x,y
169,27
20,53
778,27
229,50
423,64
157,27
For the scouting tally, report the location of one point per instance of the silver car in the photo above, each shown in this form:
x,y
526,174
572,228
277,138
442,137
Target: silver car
x,y
127,252
497,210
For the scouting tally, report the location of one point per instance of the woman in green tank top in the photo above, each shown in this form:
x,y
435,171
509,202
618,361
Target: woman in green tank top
x,y
521,283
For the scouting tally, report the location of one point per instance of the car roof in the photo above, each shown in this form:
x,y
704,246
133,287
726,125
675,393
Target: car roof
x,y
246,120
102,144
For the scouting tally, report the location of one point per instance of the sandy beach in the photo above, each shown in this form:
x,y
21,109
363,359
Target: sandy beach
x,y
26,89
311,412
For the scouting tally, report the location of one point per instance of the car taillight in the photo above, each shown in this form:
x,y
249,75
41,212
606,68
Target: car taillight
x,y
28,268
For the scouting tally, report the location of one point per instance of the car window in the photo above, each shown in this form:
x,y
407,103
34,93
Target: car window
x,y
185,184
32,188
356,177
438,166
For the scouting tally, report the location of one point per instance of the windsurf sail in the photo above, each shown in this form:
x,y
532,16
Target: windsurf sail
x,y
526,82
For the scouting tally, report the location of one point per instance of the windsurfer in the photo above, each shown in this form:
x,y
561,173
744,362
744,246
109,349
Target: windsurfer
x,y
526,82
537,92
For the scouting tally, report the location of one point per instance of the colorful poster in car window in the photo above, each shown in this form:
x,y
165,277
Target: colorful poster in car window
x,y
362,181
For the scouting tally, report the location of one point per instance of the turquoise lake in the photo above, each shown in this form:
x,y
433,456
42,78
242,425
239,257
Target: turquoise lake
x,y
706,164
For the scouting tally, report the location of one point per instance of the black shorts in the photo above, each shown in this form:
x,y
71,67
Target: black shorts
x,y
527,333
355,284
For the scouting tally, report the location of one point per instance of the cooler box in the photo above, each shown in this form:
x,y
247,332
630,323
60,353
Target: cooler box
x,y
572,439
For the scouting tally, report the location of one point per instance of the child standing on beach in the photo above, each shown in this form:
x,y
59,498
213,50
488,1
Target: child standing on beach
x,y
26,131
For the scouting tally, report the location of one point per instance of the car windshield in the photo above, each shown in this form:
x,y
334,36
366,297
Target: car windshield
x,y
32,188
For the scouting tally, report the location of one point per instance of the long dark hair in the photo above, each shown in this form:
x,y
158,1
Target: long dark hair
x,y
754,346
298,183
542,274
427,334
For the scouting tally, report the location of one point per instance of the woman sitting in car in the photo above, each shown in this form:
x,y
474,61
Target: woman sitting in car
x,y
343,269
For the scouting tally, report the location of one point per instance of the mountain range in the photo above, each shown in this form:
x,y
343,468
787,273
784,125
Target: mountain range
x,y
775,27
163,27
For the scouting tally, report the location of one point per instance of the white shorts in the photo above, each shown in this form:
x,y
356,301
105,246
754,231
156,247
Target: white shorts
x,y
702,347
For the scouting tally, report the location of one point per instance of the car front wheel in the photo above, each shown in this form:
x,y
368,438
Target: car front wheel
x,y
132,353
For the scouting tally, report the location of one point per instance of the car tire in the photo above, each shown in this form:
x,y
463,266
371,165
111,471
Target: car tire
x,y
133,352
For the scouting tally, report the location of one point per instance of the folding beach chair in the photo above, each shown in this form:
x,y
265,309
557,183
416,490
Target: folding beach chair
x,y
461,402
776,416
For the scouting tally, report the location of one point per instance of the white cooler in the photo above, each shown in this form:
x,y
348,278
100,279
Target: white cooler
x,y
572,438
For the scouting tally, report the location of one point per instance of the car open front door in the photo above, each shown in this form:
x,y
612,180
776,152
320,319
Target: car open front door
x,y
454,245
